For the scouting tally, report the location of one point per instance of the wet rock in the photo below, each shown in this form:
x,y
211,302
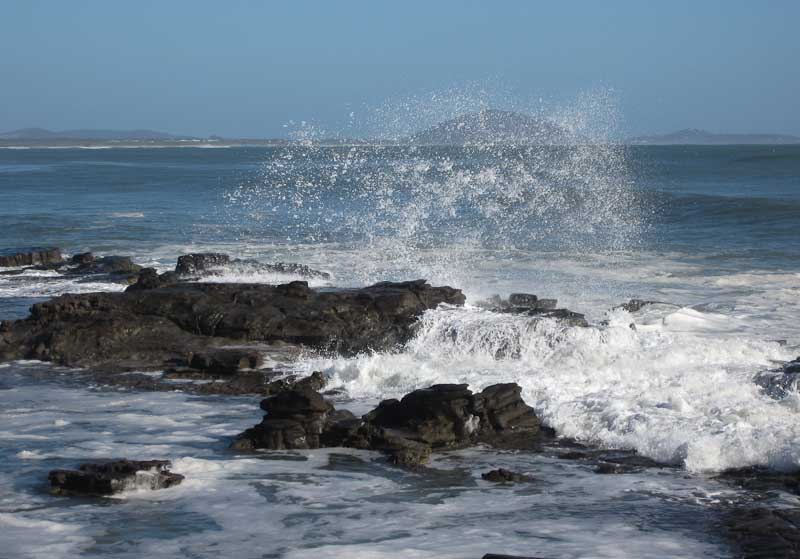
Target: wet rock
x,y
113,477
295,420
193,264
36,256
502,475
450,416
778,383
634,305
765,533
112,265
212,263
341,427
225,361
442,417
761,479
611,468
315,381
531,305
611,461
82,259
154,328
149,278
523,300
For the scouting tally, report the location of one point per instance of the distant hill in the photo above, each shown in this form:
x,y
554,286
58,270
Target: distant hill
x,y
86,134
694,136
493,127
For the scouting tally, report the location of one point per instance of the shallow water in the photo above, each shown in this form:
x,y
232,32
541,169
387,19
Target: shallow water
x,y
340,503
709,233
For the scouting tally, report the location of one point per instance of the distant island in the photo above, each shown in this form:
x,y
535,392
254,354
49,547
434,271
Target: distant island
x,y
694,136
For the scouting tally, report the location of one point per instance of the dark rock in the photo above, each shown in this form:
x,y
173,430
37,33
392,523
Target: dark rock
x,y
778,383
211,263
155,328
295,420
442,417
610,468
316,381
501,556
505,476
225,361
762,479
146,279
530,305
83,259
29,257
112,265
634,305
341,428
612,461
765,533
192,264
113,477
450,416
522,300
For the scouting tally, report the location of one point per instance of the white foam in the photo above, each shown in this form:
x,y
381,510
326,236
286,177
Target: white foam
x,y
680,391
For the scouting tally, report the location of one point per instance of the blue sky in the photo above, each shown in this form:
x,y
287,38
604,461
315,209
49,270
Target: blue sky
x,y
241,68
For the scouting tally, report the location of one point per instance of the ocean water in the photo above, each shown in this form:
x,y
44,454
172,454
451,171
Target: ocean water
x,y
709,233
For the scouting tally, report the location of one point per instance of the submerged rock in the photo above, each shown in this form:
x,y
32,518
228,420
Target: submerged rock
x,y
442,417
765,533
634,305
113,477
144,329
502,475
36,256
778,383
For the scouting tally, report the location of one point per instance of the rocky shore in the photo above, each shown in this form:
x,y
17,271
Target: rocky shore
x,y
187,328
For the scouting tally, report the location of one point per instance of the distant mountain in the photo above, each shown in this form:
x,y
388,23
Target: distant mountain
x,y
86,134
493,127
693,136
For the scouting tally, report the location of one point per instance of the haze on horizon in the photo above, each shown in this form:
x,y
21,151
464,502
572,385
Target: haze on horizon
x,y
246,69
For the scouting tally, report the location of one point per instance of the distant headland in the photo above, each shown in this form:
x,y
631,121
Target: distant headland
x,y
481,128
694,136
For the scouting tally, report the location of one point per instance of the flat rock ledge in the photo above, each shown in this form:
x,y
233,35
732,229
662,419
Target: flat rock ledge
x,y
178,324
113,477
442,417
35,256
529,304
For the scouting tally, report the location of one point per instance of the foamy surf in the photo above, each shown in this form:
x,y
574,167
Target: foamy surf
x,y
679,391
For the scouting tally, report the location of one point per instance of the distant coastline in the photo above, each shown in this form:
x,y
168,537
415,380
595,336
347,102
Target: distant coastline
x,y
489,127
697,137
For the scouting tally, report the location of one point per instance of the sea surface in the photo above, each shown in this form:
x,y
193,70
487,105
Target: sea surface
x,y
710,234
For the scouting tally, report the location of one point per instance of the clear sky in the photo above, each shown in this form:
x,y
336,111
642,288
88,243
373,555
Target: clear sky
x,y
239,68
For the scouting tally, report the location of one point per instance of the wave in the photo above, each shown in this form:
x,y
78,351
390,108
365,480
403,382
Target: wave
x,y
677,386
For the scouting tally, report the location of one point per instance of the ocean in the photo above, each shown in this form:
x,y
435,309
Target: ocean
x,y
708,234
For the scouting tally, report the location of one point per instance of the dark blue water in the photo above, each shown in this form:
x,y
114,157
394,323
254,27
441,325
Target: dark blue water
x,y
735,202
